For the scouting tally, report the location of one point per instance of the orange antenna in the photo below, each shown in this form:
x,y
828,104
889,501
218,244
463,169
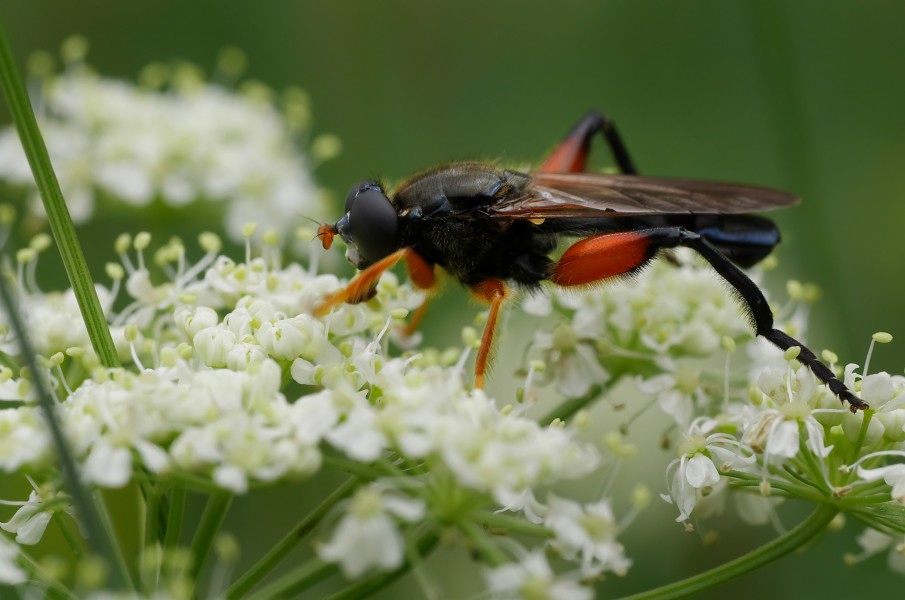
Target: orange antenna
x,y
326,233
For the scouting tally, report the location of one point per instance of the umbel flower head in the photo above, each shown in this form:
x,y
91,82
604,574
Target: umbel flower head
x,y
173,138
230,383
210,355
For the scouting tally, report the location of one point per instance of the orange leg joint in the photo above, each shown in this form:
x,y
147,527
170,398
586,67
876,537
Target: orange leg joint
x,y
420,271
493,291
415,321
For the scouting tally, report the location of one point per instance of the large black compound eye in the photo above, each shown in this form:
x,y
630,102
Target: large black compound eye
x,y
362,187
373,224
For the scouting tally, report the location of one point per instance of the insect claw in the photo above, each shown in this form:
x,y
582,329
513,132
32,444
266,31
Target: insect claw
x,y
854,402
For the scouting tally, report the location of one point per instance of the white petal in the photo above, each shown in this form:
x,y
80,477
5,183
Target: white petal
x,y
358,436
10,572
30,532
360,545
108,466
700,472
407,509
783,440
677,405
231,478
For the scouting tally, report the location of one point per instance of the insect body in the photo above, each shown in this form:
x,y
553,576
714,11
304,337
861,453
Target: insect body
x,y
488,226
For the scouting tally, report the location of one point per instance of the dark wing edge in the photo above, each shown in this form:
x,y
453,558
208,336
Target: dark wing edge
x,y
591,195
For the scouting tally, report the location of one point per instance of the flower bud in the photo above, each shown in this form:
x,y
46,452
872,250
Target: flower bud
x,y
213,344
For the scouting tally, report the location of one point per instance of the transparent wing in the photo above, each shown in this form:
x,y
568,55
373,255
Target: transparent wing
x,y
590,195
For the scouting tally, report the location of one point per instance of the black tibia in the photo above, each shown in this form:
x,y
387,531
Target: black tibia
x,y
596,121
756,306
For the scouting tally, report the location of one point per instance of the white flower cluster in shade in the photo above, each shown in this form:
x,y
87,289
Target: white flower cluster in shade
x,y
663,314
758,436
113,141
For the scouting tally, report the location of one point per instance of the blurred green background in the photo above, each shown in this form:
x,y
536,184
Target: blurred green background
x,y
807,96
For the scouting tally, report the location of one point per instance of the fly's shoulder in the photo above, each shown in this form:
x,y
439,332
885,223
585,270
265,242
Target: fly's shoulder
x,y
457,187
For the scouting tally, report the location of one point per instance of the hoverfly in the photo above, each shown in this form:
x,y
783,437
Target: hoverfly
x,y
489,226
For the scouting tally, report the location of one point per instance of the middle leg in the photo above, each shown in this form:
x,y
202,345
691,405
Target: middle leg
x,y
493,291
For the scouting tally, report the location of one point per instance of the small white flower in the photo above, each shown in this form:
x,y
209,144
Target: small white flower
x,y
524,501
873,542
53,321
756,509
367,536
702,455
504,454
312,416
31,520
24,439
360,435
288,339
533,579
243,355
191,320
776,432
573,363
885,394
10,571
678,392
893,475
213,345
108,465
589,530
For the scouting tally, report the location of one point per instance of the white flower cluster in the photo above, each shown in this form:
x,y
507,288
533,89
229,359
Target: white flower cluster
x,y
232,383
203,401
794,440
636,327
772,431
111,140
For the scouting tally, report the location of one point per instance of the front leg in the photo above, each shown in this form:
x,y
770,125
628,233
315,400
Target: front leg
x,y
364,286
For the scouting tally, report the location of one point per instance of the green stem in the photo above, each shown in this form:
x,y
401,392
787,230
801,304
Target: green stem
x,y
888,527
511,524
482,542
572,405
296,534
73,540
55,207
352,467
787,471
856,447
293,584
152,518
786,543
217,506
790,490
810,465
175,517
55,590
119,564
100,539
889,516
